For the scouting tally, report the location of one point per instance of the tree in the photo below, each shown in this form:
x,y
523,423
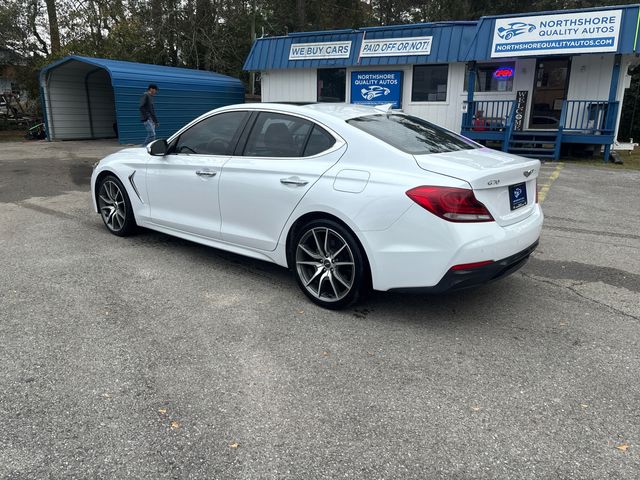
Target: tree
x,y
54,32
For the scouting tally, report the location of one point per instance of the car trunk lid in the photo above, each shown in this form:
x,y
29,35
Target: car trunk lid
x,y
504,183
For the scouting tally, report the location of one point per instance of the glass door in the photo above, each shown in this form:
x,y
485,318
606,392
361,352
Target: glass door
x,y
549,91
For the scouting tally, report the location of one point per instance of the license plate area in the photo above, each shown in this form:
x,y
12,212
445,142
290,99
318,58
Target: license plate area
x,y
517,195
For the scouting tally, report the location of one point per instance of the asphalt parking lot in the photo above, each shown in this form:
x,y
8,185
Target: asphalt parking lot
x,y
152,357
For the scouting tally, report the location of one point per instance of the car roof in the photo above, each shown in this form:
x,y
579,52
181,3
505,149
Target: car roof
x,y
340,111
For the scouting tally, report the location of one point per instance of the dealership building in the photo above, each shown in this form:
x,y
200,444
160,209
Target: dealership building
x,y
537,84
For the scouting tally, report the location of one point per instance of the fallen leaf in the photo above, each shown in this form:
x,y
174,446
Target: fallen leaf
x,y
584,405
162,410
234,445
301,311
623,448
475,409
175,425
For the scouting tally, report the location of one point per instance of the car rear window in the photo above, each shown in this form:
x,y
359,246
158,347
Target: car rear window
x,y
411,134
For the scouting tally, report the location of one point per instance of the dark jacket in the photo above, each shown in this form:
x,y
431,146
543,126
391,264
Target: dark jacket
x,y
147,110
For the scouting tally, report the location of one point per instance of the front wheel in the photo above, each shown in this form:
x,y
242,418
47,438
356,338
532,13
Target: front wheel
x,y
330,266
115,207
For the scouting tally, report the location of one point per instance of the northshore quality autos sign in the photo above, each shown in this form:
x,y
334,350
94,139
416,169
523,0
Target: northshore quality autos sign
x,y
578,32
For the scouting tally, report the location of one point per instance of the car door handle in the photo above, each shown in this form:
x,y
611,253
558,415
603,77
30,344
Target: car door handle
x,y
298,182
206,173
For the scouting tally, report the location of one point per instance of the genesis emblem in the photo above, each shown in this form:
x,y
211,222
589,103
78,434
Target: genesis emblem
x,y
526,173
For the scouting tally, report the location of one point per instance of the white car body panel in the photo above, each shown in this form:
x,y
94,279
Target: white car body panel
x,y
252,187
362,181
182,193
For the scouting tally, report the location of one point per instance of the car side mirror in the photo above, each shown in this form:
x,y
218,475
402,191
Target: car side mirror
x,y
158,148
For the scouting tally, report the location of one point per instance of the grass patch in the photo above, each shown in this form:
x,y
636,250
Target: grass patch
x,y
11,135
631,161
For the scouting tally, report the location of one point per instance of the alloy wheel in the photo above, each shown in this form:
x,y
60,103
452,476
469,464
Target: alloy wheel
x,y
111,203
325,264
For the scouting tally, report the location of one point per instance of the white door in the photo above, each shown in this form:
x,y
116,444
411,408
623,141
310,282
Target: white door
x,y
183,185
283,157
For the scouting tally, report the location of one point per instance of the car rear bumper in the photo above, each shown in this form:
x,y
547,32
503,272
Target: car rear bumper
x,y
473,277
419,250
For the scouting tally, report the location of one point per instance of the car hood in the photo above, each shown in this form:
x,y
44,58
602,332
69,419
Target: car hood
x,y
132,155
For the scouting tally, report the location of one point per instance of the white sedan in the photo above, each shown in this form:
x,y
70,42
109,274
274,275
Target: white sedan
x,y
348,197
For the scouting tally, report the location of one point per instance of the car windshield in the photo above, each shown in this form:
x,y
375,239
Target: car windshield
x,y
411,134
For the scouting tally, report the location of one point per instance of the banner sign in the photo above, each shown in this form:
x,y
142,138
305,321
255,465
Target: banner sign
x,y
579,32
521,108
393,47
316,51
376,88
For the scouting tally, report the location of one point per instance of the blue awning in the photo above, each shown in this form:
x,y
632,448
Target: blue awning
x,y
450,42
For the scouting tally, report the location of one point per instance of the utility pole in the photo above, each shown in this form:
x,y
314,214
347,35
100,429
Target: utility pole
x,y
252,74
633,112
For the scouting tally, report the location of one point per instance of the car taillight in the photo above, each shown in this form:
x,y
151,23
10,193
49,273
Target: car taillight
x,y
471,266
452,204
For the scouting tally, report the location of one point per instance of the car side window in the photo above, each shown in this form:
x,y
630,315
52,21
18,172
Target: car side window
x,y
278,135
319,141
212,136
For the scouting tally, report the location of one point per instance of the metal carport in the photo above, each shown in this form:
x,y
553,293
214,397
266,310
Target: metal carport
x,y
90,98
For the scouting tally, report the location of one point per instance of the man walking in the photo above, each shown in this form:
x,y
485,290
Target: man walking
x,y
148,113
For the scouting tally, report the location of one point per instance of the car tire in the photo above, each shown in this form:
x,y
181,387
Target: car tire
x,y
115,207
329,264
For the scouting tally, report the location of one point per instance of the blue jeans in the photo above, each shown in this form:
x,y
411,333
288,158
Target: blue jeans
x,y
151,131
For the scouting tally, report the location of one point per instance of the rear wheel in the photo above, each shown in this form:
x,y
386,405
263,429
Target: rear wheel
x,y
329,264
115,207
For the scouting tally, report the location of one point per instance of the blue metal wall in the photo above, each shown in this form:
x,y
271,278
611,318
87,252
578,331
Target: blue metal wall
x,y
450,40
273,53
184,94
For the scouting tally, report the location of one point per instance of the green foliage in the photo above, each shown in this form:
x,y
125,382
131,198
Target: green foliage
x,y
216,34
630,117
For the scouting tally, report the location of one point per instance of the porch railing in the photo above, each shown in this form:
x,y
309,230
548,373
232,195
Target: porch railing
x,y
488,115
581,121
589,117
489,120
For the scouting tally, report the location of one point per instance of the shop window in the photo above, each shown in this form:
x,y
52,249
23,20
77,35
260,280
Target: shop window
x,y
494,77
430,83
332,84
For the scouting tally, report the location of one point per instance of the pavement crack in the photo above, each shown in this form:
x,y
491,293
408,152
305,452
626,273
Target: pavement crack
x,y
45,210
572,289
584,272
586,231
